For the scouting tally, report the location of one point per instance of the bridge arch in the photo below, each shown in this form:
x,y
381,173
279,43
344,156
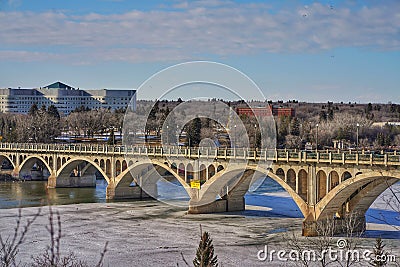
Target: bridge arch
x,y
242,185
189,172
124,166
337,197
334,179
368,194
345,175
203,173
321,184
108,168
29,161
102,164
280,173
117,167
220,168
303,184
211,171
4,157
143,168
291,178
174,167
70,165
181,170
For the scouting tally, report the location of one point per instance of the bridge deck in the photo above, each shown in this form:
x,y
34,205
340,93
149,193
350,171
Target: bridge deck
x,y
240,154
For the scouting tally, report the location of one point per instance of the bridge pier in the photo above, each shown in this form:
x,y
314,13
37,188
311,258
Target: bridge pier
x,y
15,173
349,225
126,192
220,205
72,181
52,181
34,175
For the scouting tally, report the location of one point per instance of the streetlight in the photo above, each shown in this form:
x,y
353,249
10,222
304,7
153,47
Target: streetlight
x,y
255,136
234,135
358,125
316,139
177,135
167,135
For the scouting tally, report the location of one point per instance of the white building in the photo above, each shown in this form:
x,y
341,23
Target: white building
x,y
65,98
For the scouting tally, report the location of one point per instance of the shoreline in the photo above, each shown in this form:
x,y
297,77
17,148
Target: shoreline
x,y
151,233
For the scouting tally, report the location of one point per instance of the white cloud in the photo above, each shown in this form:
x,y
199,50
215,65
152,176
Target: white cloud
x,y
194,29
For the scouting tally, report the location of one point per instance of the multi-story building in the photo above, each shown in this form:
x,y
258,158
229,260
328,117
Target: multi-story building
x,y
266,111
65,98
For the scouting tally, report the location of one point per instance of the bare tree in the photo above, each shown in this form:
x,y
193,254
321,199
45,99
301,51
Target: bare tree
x,y
9,246
312,250
52,256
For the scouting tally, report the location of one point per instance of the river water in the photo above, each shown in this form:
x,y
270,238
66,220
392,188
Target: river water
x,y
36,193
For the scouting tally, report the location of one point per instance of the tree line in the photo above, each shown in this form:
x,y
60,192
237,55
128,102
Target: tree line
x,y
321,123
44,124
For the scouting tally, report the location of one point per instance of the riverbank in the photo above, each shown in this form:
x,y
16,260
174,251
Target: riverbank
x,y
150,233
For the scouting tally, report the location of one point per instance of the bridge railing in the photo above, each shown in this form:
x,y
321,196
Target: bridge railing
x,y
325,156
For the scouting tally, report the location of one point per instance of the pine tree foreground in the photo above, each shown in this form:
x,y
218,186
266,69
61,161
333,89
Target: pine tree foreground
x,y
379,254
205,252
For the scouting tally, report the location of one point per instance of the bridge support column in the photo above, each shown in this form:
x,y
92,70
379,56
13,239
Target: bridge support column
x,y
52,181
15,173
125,192
349,225
72,181
220,205
312,186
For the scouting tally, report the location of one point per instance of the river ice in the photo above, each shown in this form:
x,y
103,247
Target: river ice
x,y
150,233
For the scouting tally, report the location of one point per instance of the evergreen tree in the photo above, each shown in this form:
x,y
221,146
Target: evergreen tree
x,y
379,253
295,127
283,128
53,111
205,252
369,108
33,110
330,114
193,132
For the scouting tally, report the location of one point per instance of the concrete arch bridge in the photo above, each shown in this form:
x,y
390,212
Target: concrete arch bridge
x,y
324,184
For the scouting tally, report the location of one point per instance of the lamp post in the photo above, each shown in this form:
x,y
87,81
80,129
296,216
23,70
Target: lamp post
x,y
255,136
316,139
358,125
167,135
177,135
234,135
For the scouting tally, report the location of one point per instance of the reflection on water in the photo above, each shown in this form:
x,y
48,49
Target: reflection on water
x,y
36,193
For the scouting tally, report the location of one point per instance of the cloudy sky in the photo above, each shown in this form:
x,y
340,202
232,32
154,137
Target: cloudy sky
x,y
304,50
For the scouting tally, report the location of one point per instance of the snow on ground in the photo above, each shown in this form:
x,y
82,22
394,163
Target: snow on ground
x,y
150,233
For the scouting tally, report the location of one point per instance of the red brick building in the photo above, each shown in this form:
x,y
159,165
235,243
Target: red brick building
x,y
279,111
258,111
266,111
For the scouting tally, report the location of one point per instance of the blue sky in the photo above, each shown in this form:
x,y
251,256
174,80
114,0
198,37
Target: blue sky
x,y
305,50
